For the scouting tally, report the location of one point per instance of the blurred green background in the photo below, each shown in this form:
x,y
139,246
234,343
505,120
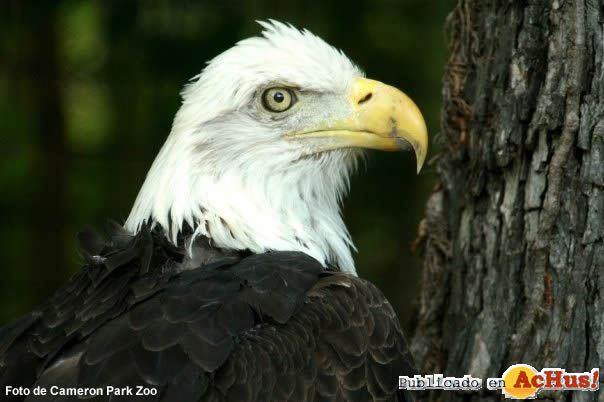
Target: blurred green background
x,y
88,90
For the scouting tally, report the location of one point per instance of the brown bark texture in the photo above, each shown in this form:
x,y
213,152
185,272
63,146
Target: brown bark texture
x,y
513,236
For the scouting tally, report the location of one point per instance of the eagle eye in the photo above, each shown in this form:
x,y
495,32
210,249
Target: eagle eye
x,y
278,99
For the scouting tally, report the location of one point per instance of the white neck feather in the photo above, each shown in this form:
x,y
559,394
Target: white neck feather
x,y
261,204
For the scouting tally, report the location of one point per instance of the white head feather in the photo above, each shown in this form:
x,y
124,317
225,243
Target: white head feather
x,y
225,171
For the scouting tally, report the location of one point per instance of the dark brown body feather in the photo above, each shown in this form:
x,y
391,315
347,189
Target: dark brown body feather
x,y
267,327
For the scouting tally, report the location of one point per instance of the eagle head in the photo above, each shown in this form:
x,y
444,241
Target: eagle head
x,y
261,150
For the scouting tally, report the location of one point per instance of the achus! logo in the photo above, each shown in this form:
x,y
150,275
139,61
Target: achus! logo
x,y
521,381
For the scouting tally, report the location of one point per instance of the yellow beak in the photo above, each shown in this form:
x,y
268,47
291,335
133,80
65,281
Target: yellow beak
x,y
383,118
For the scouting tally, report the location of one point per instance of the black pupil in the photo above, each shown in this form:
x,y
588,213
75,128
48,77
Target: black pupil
x,y
279,97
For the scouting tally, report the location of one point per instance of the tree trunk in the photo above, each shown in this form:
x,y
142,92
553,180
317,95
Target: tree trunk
x,y
513,238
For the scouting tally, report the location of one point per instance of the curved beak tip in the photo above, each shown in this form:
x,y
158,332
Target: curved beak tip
x,y
406,124
421,148
420,163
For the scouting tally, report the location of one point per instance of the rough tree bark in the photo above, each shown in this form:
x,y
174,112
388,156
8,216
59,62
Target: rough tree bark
x,y
513,237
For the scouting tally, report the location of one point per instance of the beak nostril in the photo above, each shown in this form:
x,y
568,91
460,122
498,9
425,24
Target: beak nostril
x,y
366,98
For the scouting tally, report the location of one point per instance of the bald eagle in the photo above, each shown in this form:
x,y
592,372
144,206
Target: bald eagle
x,y
232,278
